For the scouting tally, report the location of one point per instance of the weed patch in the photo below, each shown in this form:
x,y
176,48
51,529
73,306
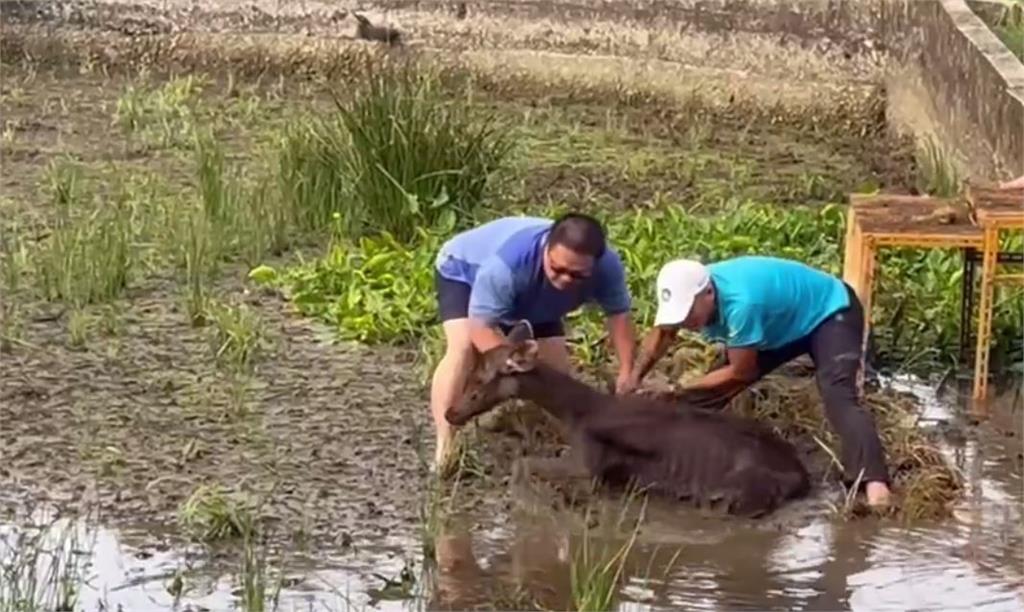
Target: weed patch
x,y
238,336
44,566
13,258
161,117
212,514
401,154
87,258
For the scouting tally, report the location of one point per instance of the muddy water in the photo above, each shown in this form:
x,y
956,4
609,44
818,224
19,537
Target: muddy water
x,y
801,559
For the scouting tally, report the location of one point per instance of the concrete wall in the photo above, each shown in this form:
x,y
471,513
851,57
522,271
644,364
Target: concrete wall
x,y
973,80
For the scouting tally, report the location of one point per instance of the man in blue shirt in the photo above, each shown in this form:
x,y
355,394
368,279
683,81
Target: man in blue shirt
x,y
768,311
517,268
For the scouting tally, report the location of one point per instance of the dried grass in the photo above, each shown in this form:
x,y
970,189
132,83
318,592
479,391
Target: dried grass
x,y
841,104
925,484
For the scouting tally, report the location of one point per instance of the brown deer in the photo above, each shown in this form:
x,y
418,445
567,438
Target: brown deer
x,y
708,458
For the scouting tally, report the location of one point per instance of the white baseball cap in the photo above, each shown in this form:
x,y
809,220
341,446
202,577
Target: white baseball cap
x,y
679,282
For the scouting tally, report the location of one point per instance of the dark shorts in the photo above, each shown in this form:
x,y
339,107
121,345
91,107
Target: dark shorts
x,y
453,303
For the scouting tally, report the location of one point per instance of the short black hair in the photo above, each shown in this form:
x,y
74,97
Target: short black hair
x,y
580,233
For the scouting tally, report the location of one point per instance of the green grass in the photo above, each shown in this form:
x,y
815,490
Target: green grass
x,y
595,575
238,336
400,154
1009,27
87,257
211,514
160,117
43,567
379,290
13,259
257,588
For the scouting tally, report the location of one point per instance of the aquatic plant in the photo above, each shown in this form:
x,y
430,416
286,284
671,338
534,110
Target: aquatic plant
x,y
211,513
257,589
13,260
87,257
238,335
595,576
380,289
44,564
400,154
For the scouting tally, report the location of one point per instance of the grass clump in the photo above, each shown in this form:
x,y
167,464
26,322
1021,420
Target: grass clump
x,y
13,259
925,483
402,153
164,116
211,514
238,336
43,566
88,257
1009,27
595,576
257,589
197,255
937,174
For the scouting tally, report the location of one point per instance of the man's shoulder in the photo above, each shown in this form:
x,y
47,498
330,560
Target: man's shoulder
x,y
519,246
610,262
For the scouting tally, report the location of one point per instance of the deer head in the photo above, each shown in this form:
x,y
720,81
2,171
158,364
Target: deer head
x,y
494,379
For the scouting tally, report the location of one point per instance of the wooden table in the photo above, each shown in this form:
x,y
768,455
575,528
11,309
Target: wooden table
x,y
971,223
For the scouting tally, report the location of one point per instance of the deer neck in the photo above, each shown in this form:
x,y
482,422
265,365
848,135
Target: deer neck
x,y
564,397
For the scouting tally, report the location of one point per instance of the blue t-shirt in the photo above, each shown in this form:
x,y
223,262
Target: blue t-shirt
x,y
502,261
766,302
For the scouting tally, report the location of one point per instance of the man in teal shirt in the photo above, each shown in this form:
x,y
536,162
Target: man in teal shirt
x,y
768,311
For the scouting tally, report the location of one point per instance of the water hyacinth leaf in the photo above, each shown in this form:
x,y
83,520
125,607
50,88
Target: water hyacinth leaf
x,y
263,274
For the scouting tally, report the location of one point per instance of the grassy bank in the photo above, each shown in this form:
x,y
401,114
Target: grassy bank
x,y
1006,19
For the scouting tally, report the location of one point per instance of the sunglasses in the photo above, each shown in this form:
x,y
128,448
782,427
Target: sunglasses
x,y
574,274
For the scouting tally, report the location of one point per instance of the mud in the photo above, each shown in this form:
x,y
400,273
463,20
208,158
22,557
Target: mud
x,y
145,415
332,438
701,33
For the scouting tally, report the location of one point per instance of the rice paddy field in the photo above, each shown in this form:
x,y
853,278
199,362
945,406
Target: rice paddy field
x,y
218,321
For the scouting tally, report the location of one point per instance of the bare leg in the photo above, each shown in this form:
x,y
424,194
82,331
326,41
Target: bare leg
x,y
449,381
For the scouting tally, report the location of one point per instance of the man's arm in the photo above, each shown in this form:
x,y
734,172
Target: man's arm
x,y
612,294
1016,183
746,333
652,348
492,297
620,328
739,373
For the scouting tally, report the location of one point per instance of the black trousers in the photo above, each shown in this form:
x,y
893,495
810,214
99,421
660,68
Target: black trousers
x,y
835,348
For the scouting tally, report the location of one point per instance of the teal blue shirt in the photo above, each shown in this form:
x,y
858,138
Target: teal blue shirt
x,y
767,302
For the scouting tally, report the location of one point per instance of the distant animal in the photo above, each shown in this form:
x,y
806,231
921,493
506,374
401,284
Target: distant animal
x,y
367,31
709,458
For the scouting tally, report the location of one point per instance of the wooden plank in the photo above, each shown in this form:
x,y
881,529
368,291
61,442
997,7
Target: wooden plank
x,y
928,240
1008,278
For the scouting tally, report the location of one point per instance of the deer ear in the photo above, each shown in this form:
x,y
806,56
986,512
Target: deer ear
x,y
520,332
522,358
